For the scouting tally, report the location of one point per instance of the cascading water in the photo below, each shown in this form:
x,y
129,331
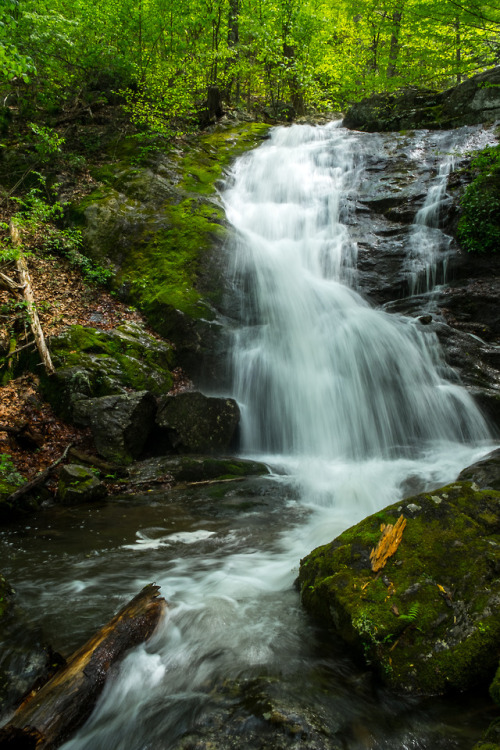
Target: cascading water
x,y
319,373
429,247
348,404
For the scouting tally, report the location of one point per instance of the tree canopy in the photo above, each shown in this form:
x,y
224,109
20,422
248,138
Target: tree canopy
x,y
161,56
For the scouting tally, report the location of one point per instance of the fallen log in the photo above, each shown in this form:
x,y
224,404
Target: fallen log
x,y
48,718
24,278
39,479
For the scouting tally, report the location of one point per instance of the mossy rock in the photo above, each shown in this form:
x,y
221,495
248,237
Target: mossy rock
x,y
429,621
93,363
194,469
78,484
161,229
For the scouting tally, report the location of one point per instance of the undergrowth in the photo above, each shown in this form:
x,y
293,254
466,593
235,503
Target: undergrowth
x,y
479,225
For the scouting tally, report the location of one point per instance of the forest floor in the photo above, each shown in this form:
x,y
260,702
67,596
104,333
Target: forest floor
x,y
63,298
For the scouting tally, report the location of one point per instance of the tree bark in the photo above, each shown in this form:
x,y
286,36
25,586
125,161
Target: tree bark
x,y
48,718
24,278
394,50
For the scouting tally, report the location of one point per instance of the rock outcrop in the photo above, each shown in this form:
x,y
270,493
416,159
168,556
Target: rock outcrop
x,y
120,425
474,101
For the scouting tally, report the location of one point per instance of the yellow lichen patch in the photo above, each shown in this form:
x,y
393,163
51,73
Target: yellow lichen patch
x,y
388,543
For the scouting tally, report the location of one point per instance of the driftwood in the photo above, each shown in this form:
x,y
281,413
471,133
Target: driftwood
x,y
47,719
25,282
39,479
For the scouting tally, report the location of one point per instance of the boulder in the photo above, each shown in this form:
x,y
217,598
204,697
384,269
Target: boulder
x,y
428,621
78,484
94,363
120,424
195,423
472,102
486,475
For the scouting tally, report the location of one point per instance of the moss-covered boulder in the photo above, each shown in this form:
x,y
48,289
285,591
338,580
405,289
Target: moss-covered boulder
x,y
194,423
161,228
79,485
94,363
428,621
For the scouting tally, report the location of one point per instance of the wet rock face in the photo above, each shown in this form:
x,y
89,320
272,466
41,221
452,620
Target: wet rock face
x,y
429,620
195,423
474,101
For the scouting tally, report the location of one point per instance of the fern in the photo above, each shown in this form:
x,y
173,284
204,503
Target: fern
x,y
412,615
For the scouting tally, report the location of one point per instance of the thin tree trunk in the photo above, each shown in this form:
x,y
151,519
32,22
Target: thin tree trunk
x,y
394,50
24,277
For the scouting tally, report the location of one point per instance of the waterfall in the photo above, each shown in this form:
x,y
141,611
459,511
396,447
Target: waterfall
x,y
429,246
317,371
349,406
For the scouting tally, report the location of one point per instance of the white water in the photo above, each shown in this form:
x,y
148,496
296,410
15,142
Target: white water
x,y
348,402
429,246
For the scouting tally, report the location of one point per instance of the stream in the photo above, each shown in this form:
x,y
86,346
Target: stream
x,y
351,408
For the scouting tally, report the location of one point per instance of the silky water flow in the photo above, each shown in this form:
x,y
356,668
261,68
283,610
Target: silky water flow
x,y
346,404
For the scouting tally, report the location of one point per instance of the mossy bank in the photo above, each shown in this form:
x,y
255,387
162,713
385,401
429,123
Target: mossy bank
x,y
161,228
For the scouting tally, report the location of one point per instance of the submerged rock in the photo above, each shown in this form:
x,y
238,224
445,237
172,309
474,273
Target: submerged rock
x,y
193,469
429,622
79,485
195,423
25,659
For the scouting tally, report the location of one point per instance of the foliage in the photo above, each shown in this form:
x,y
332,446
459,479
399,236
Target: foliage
x,y
8,472
479,225
159,57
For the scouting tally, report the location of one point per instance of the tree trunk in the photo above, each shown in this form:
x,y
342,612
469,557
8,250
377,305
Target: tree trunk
x,y
24,278
48,718
394,50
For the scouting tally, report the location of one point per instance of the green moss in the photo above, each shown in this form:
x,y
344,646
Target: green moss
x,y
100,363
428,620
164,238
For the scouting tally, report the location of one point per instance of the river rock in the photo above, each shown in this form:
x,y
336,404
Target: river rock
x,y
192,469
120,424
472,102
429,621
79,485
26,660
195,423
486,475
